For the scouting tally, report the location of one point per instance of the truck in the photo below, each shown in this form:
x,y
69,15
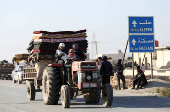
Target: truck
x,y
6,70
63,80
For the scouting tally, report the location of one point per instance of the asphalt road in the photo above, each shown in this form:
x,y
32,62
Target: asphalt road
x,y
13,98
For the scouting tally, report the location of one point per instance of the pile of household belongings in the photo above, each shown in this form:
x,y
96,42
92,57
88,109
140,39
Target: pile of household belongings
x,y
44,44
20,57
6,67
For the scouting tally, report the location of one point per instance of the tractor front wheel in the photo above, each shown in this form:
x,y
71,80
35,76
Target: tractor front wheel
x,y
65,96
107,95
30,90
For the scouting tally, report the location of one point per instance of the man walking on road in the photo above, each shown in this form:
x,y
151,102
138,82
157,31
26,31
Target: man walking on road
x,y
99,60
105,70
119,74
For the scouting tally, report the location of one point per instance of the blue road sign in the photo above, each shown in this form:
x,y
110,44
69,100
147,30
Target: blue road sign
x,y
141,25
141,43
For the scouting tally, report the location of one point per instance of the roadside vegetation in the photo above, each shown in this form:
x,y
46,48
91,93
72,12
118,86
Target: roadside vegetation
x,y
164,92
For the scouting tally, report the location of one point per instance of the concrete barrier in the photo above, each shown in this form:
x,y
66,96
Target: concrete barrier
x,y
148,72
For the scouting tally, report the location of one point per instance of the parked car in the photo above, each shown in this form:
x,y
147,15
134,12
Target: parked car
x,y
129,64
17,74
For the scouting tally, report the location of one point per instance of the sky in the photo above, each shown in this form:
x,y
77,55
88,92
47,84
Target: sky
x,y
108,19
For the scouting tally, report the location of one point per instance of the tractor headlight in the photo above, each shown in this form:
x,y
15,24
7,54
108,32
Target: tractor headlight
x,y
82,75
88,77
94,75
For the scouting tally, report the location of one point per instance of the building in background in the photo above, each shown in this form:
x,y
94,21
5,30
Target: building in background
x,y
116,56
161,58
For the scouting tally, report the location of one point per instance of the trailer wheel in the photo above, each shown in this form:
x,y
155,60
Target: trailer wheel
x,y
51,84
71,95
30,90
107,95
65,96
14,81
19,82
93,96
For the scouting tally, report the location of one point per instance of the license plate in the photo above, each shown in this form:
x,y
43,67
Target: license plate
x,y
93,85
87,85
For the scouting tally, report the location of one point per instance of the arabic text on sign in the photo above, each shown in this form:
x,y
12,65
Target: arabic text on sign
x,y
144,41
146,22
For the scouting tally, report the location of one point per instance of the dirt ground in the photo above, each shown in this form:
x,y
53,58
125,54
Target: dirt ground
x,y
149,89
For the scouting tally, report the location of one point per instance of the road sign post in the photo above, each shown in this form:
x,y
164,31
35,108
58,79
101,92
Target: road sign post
x,y
141,43
141,25
141,36
133,64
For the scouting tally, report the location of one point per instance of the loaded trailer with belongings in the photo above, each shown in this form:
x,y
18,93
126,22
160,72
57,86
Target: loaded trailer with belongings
x,y
5,70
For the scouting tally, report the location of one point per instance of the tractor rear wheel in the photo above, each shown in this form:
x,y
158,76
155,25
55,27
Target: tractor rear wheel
x,y
107,95
30,90
19,82
65,96
51,86
93,96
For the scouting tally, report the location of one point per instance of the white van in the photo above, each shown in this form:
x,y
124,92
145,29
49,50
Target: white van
x,y
17,74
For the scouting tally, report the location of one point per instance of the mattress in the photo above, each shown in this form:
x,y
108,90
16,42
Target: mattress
x,y
60,40
48,36
60,32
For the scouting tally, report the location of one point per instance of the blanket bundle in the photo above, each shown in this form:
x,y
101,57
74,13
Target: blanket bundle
x,y
44,44
59,34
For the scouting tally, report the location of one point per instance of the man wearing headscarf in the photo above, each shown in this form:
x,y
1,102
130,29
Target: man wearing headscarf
x,y
106,70
71,54
119,74
61,55
78,52
61,52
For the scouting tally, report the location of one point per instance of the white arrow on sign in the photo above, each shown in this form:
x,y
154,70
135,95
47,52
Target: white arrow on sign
x,y
134,41
134,23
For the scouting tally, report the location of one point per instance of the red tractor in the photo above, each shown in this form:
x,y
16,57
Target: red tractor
x,y
68,78
80,78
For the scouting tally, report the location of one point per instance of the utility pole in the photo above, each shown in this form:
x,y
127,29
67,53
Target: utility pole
x,y
94,46
151,67
133,64
125,51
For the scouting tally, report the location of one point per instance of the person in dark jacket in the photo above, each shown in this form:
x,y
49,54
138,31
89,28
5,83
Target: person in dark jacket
x,y
99,60
143,78
78,52
105,70
119,74
137,79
